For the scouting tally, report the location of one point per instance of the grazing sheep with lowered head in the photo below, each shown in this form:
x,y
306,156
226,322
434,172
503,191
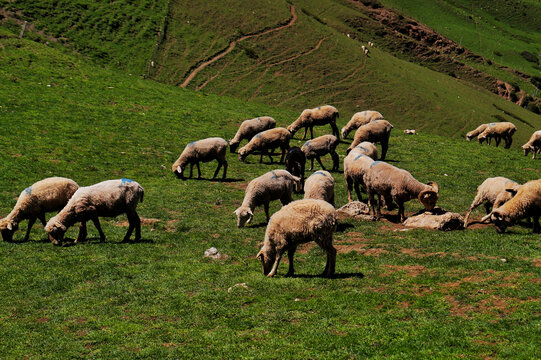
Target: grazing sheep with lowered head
x,y
398,185
108,198
476,132
375,131
533,145
295,163
202,150
249,128
359,119
356,164
320,185
47,195
309,118
265,140
297,223
274,185
321,146
498,131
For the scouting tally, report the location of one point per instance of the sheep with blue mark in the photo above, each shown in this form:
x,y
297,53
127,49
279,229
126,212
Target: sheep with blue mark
x,y
320,146
273,185
320,185
374,132
474,133
202,151
265,141
356,164
359,119
309,118
47,195
106,199
249,128
498,131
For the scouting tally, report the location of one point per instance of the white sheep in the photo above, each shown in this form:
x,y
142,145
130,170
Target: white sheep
x,y
202,150
47,195
533,145
366,51
474,133
109,199
356,164
358,119
265,140
375,131
249,128
370,43
492,192
398,185
526,203
320,146
274,185
309,118
498,131
320,185
297,223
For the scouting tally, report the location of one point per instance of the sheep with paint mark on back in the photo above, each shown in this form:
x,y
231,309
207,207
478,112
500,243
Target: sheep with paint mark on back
x,y
249,128
374,132
320,146
265,141
320,185
202,150
533,145
359,119
474,133
309,118
356,164
498,131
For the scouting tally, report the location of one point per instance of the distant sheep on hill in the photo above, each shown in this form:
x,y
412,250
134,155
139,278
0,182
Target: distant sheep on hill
x,y
309,118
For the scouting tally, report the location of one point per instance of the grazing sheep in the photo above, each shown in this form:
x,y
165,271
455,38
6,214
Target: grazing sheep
x,y
47,195
274,185
265,140
295,163
397,185
476,132
526,203
498,131
491,190
320,185
366,51
249,128
359,119
375,131
356,164
298,223
318,116
202,150
109,199
321,146
533,145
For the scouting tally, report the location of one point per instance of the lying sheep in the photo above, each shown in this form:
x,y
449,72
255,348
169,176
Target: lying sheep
x,y
356,164
298,223
359,119
318,116
296,162
320,185
498,131
526,203
109,199
321,146
249,128
533,145
47,195
202,150
492,192
375,131
398,185
476,132
274,185
265,140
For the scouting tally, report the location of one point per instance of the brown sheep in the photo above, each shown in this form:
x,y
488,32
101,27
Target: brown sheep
x,y
375,131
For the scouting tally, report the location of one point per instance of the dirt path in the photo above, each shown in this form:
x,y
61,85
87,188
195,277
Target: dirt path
x,y
232,45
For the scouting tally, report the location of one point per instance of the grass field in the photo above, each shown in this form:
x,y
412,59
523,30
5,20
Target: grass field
x,y
397,294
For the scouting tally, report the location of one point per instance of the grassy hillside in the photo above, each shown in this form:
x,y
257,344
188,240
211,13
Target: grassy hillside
x,y
416,293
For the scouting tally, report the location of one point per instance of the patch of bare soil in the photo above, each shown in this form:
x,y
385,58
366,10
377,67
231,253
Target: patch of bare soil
x,y
493,305
144,221
411,270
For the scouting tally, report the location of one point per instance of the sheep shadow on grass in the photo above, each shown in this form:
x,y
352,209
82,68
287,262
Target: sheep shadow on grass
x,y
334,276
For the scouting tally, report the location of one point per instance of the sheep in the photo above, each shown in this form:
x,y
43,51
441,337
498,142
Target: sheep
x,y
498,131
397,185
359,119
295,163
47,195
249,128
265,140
366,51
476,132
375,131
370,43
533,145
526,203
318,116
321,146
320,185
276,184
356,163
202,150
363,48
492,192
109,199
297,223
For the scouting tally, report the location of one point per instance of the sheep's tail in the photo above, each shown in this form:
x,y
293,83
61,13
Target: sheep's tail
x,y
142,194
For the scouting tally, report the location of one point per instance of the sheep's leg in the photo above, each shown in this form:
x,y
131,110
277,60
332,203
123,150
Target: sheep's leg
x,y
135,223
510,141
401,211
276,262
311,164
217,169
96,222
536,229
335,161
384,147
41,218
349,185
198,170
225,169
191,170
319,161
372,202
31,222
269,155
283,157
358,191
286,199
266,206
290,254
476,202
488,207
261,156
331,257
82,232
311,132
305,132
335,131
378,209
498,140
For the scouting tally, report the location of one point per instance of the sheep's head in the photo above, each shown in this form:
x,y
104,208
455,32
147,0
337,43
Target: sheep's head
x,y
267,256
244,216
344,132
481,138
527,148
470,135
233,145
56,232
243,153
8,228
429,197
179,171
500,220
292,129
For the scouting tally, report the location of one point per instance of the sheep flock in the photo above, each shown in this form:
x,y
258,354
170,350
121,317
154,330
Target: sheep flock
x,y
313,218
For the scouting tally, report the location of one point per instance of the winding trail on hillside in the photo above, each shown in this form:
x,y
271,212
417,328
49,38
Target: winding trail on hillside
x,y
234,43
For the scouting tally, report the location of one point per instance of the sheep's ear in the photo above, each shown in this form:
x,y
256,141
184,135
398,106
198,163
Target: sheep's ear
x,y
260,255
9,226
434,185
513,189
